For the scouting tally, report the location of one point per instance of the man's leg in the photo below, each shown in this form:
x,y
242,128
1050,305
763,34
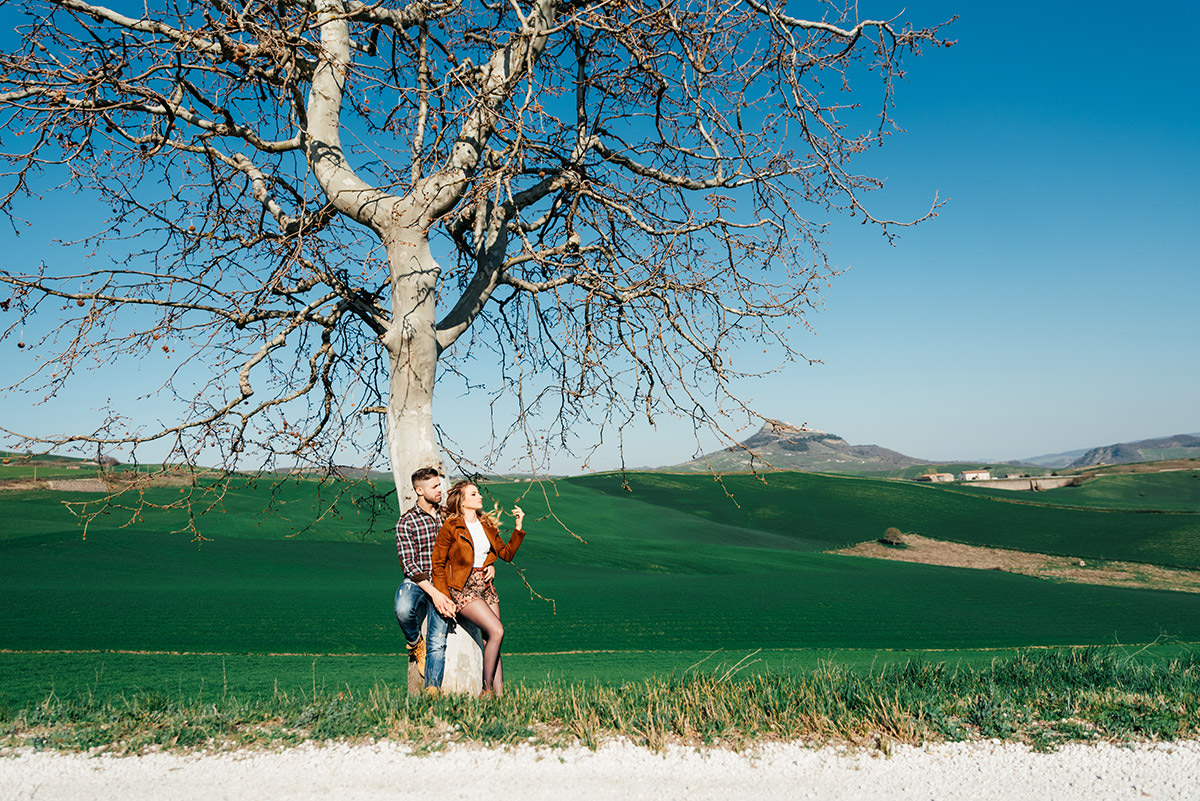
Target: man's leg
x,y
436,629
411,606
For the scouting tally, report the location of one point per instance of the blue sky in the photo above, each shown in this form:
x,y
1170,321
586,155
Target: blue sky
x,y
1052,305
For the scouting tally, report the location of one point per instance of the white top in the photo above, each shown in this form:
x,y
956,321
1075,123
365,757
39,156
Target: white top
x,y
481,542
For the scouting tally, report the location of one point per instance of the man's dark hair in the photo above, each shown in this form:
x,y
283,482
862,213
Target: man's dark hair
x,y
424,473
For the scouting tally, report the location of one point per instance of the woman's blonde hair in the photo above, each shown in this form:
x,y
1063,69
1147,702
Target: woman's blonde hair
x,y
454,504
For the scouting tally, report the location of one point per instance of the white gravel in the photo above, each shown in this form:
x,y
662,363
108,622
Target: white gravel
x,y
616,771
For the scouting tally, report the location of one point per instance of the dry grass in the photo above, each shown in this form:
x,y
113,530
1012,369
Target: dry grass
x,y
1044,698
22,484
114,482
924,550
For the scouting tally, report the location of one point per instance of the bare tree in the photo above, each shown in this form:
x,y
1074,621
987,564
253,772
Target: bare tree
x,y
617,193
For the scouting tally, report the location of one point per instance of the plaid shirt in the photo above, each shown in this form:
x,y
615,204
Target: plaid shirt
x,y
416,531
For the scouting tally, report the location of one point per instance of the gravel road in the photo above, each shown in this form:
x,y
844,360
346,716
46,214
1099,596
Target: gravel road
x,y
617,771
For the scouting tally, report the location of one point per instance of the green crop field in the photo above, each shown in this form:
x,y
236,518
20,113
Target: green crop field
x,y
644,575
913,471
822,512
29,678
21,466
1174,491
43,472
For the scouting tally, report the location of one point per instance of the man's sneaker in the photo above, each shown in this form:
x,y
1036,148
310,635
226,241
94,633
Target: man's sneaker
x,y
416,653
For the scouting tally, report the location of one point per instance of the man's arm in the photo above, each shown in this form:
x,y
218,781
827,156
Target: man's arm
x,y
441,601
406,548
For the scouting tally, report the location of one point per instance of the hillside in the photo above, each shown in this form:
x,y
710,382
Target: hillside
x,y
779,446
1055,460
1179,446
663,563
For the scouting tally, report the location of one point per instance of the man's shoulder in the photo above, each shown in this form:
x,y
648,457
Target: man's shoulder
x,y
416,513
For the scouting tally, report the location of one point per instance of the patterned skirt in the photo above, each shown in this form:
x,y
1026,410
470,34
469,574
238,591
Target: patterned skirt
x,y
476,588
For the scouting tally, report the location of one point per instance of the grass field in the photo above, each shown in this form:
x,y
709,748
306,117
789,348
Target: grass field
x,y
32,677
1175,491
820,512
138,590
1043,698
669,570
913,471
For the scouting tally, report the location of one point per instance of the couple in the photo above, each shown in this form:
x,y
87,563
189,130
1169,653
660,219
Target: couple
x,y
447,557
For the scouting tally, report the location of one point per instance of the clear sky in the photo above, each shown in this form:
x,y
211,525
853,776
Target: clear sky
x,y
1054,304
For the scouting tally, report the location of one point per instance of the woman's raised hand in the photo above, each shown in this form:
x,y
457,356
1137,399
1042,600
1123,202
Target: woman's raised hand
x,y
519,515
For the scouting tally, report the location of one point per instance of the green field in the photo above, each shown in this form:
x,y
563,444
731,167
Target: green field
x,y
14,466
913,471
670,569
1175,491
821,512
44,472
32,677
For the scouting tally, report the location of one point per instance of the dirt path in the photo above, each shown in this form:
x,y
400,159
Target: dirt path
x,y
1055,568
616,772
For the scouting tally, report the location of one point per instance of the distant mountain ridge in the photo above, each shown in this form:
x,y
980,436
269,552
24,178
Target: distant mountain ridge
x,y
1055,460
1178,446
780,446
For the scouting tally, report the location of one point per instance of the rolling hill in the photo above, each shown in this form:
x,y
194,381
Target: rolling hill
x,y
638,565
1178,446
780,446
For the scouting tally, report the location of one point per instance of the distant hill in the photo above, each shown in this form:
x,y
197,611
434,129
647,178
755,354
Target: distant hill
x,y
779,446
1179,446
1055,459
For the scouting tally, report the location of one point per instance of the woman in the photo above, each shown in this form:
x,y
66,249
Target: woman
x,y
468,542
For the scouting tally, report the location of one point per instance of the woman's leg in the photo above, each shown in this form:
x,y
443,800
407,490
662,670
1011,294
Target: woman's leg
x,y
489,623
498,677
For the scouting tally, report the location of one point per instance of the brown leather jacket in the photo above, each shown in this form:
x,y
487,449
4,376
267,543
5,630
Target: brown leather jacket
x,y
454,552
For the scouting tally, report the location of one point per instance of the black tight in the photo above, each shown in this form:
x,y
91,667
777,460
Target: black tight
x,y
487,618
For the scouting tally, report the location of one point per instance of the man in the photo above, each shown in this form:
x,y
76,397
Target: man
x,y
416,532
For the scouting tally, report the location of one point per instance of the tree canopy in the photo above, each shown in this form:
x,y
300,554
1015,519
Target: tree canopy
x,y
327,203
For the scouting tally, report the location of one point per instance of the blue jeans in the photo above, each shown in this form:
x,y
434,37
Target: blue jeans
x,y
413,606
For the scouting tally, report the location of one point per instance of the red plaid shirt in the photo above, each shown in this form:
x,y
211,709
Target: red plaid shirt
x,y
416,531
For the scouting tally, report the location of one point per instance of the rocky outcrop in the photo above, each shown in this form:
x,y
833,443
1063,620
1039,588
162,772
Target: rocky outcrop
x,y
1141,451
780,446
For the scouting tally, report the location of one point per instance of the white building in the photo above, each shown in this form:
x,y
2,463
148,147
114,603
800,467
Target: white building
x,y
974,475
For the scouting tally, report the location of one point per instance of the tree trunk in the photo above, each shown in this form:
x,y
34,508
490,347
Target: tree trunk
x,y
412,442
412,360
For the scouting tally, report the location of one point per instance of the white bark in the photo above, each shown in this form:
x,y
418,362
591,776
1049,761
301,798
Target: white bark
x,y
410,342
403,224
349,194
464,663
412,349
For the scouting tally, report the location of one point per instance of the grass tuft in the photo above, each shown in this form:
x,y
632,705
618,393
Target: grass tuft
x,y
1043,698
